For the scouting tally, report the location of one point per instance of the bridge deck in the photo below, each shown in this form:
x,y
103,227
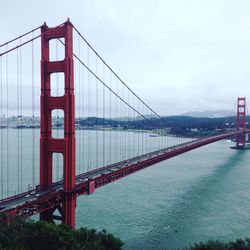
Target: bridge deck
x,y
35,201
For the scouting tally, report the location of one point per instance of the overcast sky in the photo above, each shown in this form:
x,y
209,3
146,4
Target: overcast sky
x,y
178,56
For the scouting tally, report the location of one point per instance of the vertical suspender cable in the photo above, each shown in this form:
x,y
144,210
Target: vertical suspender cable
x,y
7,121
18,124
33,113
96,132
121,130
21,115
144,130
158,138
128,138
134,117
79,103
142,133
138,132
118,127
124,125
130,124
110,160
88,110
121,124
147,128
90,131
114,72
83,131
162,135
103,139
126,131
116,121
166,137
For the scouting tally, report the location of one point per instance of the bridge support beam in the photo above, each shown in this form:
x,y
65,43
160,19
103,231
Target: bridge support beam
x,y
48,144
241,122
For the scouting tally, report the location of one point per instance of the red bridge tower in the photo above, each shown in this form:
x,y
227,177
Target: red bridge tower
x,y
48,144
241,122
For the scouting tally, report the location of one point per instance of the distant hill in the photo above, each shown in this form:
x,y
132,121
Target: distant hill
x,y
209,114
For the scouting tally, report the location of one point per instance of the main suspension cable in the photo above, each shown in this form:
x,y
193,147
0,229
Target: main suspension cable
x,y
20,45
115,73
23,35
26,42
105,85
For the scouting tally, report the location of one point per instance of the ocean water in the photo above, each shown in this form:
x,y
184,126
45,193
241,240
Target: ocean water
x,y
200,195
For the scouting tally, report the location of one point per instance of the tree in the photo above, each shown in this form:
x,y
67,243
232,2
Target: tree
x,y
16,233
220,245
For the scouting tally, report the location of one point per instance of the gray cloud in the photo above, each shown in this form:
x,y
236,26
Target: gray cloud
x,y
178,56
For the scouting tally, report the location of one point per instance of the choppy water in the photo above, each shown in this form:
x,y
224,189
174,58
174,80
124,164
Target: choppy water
x,y
201,195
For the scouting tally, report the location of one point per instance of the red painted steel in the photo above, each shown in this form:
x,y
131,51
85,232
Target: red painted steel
x,y
52,200
91,187
241,122
49,145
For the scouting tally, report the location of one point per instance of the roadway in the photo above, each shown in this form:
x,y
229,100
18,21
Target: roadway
x,y
36,200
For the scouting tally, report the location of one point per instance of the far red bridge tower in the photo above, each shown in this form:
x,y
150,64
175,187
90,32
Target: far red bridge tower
x,y
241,122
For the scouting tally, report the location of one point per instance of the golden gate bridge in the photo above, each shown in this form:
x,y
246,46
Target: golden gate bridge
x,y
76,81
